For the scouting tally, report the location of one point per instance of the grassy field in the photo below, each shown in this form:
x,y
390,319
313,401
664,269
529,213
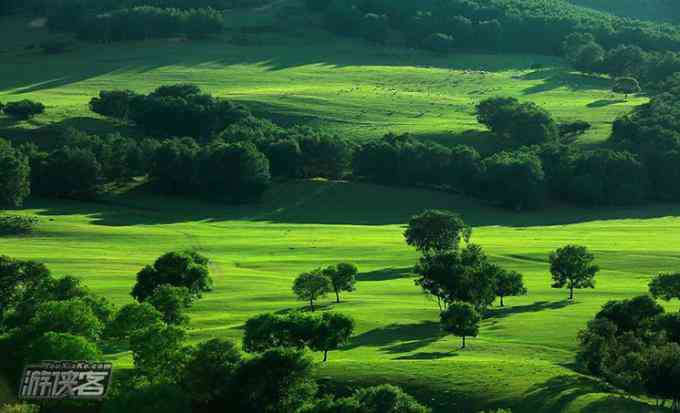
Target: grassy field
x,y
523,357
351,87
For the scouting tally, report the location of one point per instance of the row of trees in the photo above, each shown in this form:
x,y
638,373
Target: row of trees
x,y
511,25
635,345
135,23
23,109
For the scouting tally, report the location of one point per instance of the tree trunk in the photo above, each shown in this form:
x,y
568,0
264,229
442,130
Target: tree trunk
x,y
502,305
325,356
571,292
463,342
337,297
311,304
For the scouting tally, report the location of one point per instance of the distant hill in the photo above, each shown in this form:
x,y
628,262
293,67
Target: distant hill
x,y
659,10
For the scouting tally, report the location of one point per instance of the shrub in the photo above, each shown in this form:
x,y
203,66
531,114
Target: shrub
x,y
24,109
17,224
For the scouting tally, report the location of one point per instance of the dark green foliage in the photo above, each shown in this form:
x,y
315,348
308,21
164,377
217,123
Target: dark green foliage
x,y
343,278
517,123
312,285
434,232
23,109
515,180
208,373
179,269
570,130
572,266
15,174
606,177
385,398
509,283
149,398
63,346
439,42
69,172
284,387
631,315
285,158
326,156
172,302
333,331
173,166
17,224
669,325
665,286
73,316
461,319
460,275
131,319
113,103
625,60
626,86
55,46
158,353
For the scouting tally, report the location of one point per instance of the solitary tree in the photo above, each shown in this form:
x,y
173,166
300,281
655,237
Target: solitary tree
x,y
572,266
627,86
462,320
665,286
509,283
332,332
435,231
343,278
310,286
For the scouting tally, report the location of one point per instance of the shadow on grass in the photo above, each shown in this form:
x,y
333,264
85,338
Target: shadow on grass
x,y
561,77
399,338
328,203
428,356
386,274
604,102
502,312
557,393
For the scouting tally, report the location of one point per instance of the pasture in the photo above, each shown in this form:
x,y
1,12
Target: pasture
x,y
347,86
524,355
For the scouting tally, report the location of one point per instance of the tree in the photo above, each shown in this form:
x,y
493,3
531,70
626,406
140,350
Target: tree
x,y
178,269
63,346
276,381
69,172
24,109
172,302
208,374
572,266
514,179
310,286
387,399
509,283
73,316
332,332
20,281
439,42
113,103
635,315
131,319
436,231
517,123
662,372
158,353
665,286
464,276
627,86
343,278
15,173
461,319
149,398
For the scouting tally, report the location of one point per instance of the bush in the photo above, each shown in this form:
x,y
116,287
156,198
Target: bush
x,y
24,109
17,224
15,174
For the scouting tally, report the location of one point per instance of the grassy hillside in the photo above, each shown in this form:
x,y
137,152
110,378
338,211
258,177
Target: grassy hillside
x,y
524,354
354,88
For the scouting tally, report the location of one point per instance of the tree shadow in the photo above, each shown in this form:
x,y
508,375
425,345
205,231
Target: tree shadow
x,y
399,338
604,102
562,77
507,311
621,404
435,355
386,274
557,393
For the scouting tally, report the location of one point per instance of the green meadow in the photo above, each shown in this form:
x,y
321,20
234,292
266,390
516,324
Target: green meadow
x,y
524,355
347,86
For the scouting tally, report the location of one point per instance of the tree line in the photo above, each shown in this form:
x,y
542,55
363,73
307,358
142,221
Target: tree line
x,y
498,25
